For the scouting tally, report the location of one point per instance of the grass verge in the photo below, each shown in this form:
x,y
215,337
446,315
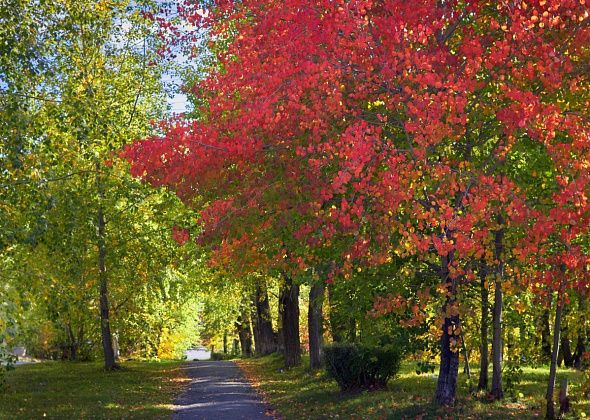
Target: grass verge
x,y
61,390
300,394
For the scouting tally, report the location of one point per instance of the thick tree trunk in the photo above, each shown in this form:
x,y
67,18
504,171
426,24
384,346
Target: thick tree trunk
x,y
315,320
449,358
105,324
482,384
264,336
550,414
497,344
243,327
290,304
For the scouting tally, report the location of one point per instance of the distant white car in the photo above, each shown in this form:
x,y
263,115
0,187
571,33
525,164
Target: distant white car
x,y
198,353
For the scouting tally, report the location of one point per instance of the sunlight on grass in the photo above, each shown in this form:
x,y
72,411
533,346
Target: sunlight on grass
x,y
84,390
299,394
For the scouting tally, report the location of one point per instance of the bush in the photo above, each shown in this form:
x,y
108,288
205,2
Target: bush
x,y
222,356
359,366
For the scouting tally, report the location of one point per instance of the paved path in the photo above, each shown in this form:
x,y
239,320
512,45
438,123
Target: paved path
x,y
218,390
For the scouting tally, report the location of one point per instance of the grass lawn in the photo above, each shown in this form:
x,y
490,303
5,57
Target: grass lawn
x,y
299,394
62,390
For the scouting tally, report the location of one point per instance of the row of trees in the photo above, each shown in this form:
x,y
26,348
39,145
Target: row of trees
x,y
88,264
426,152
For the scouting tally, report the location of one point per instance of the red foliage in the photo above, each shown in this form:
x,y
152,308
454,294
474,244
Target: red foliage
x,y
386,126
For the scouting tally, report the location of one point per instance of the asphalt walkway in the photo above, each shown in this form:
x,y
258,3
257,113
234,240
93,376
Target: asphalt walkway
x,y
218,390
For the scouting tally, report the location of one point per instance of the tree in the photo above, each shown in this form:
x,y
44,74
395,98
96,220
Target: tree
x,y
386,128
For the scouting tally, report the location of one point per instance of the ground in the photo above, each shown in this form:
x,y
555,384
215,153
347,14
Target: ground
x,y
299,394
149,390
62,390
218,390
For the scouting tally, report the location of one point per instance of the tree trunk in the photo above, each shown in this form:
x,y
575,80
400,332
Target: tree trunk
x,y
467,367
581,342
449,358
243,327
546,334
280,337
482,384
105,324
580,350
264,337
497,344
550,414
73,342
291,338
225,342
315,324
566,350
336,329
564,399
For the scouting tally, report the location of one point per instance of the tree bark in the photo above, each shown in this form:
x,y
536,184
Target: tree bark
x,y
280,338
336,328
315,319
264,336
581,342
245,335
446,388
566,350
550,414
482,383
546,334
290,304
497,344
73,342
105,324
225,342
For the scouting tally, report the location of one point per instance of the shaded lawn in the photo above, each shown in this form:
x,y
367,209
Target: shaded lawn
x,y
299,394
62,390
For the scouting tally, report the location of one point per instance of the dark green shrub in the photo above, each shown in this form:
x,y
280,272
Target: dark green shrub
x,y
359,366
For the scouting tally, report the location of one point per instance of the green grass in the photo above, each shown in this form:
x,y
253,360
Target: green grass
x,y
299,394
61,390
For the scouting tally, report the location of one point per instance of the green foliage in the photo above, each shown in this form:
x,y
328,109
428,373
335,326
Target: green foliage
x,y
359,366
513,375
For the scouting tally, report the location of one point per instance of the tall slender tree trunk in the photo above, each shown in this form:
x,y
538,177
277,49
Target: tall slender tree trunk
x,y
264,338
497,344
446,388
291,338
550,413
105,324
225,342
482,383
315,319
